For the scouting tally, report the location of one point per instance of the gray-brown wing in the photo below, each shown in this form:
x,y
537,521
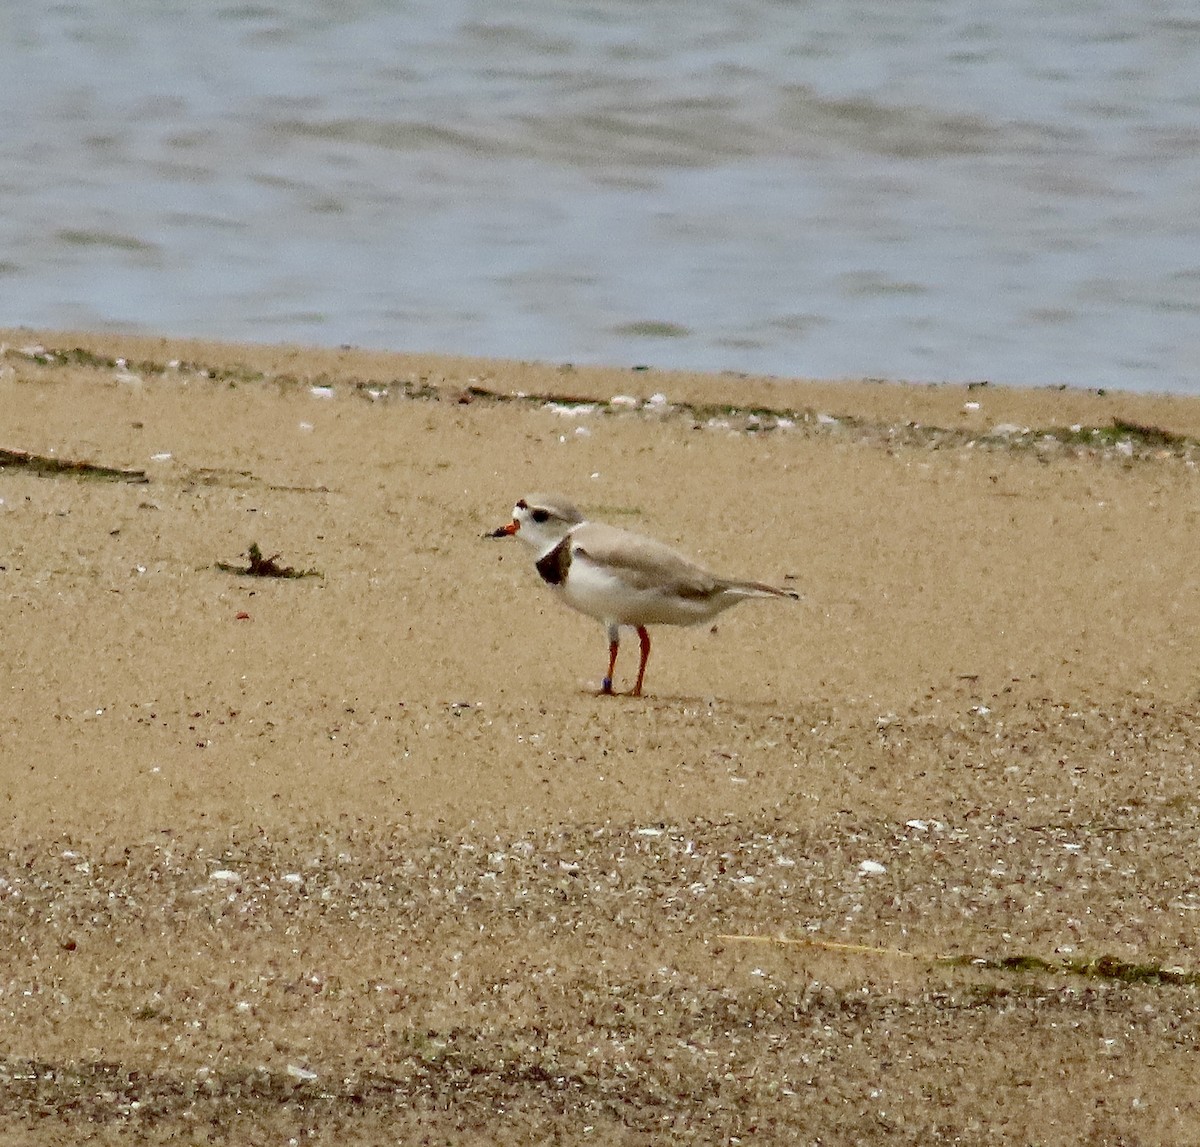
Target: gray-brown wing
x,y
643,562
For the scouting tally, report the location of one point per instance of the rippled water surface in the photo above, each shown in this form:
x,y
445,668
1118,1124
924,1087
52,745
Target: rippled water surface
x,y
924,189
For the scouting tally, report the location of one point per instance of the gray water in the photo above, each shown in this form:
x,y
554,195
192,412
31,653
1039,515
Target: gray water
x,y
919,189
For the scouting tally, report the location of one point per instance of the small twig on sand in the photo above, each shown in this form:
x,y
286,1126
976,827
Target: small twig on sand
x,y
265,567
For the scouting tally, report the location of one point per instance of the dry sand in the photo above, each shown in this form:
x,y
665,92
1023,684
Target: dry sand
x,y
363,858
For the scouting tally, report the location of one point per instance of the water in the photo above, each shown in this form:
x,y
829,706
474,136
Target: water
x,y
920,189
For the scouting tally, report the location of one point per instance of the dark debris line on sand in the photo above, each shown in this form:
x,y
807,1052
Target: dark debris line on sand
x,y
51,467
1099,967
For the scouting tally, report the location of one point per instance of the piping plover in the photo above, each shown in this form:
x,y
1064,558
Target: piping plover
x,y
621,578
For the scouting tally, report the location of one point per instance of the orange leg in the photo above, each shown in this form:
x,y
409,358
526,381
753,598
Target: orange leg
x,y
613,646
644,638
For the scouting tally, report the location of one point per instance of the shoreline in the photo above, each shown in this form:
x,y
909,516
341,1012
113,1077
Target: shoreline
x,y
943,404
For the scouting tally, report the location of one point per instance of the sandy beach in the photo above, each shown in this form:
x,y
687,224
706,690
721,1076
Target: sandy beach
x,y
361,855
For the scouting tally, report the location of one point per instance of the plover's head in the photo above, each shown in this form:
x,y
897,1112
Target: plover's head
x,y
541,521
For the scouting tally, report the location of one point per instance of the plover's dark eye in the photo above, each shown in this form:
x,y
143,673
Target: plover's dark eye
x,y
540,515
522,505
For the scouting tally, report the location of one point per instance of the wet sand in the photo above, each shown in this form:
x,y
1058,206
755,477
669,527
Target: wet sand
x,y
361,855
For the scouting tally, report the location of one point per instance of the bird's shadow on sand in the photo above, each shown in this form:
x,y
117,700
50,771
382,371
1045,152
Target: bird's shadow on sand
x,y
673,700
